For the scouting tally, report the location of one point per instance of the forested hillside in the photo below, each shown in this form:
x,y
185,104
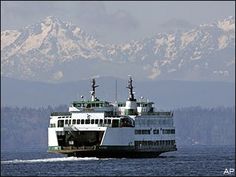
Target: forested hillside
x,y
207,126
25,129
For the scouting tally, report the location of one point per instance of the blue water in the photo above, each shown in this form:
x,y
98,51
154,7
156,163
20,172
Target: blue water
x,y
187,161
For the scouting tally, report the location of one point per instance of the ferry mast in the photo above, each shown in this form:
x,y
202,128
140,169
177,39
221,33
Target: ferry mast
x,y
131,104
130,87
93,95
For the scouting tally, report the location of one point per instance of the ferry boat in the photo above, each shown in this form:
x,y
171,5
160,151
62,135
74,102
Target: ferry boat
x,y
98,128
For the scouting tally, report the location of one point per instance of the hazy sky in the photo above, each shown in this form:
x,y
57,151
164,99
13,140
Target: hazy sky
x,y
117,21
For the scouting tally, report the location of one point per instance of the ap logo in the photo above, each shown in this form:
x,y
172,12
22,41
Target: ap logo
x,y
228,171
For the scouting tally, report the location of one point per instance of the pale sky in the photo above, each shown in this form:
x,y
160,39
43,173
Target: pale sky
x,y
117,21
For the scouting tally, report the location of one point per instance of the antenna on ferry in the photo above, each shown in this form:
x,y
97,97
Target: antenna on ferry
x,y
116,92
93,89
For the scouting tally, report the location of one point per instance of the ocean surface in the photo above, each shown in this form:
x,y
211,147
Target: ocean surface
x,y
187,161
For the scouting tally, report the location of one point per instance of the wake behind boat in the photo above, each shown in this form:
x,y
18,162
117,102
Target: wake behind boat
x,y
97,128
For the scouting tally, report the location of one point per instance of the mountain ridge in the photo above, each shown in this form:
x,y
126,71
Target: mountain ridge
x,y
62,50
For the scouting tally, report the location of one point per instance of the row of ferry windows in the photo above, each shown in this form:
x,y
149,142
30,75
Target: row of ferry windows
x,y
83,121
155,131
88,105
64,117
162,121
154,143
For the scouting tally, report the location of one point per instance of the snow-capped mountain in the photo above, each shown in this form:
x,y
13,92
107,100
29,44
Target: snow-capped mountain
x,y
52,50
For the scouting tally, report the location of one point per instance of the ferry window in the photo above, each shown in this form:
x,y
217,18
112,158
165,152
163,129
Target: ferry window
x,y
93,104
101,105
150,143
79,105
105,121
60,123
67,117
97,104
52,125
145,131
101,121
92,121
126,122
138,132
66,122
156,131
59,117
78,121
96,121
168,131
87,121
82,121
69,122
88,105
115,123
83,105
63,117
73,121
109,121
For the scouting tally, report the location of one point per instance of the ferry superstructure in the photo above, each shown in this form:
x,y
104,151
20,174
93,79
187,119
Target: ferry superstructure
x,y
96,128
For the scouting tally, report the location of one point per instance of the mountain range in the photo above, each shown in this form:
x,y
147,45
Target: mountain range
x,y
56,51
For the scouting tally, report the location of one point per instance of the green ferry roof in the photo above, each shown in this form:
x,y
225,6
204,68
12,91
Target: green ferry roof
x,y
61,114
89,101
143,102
